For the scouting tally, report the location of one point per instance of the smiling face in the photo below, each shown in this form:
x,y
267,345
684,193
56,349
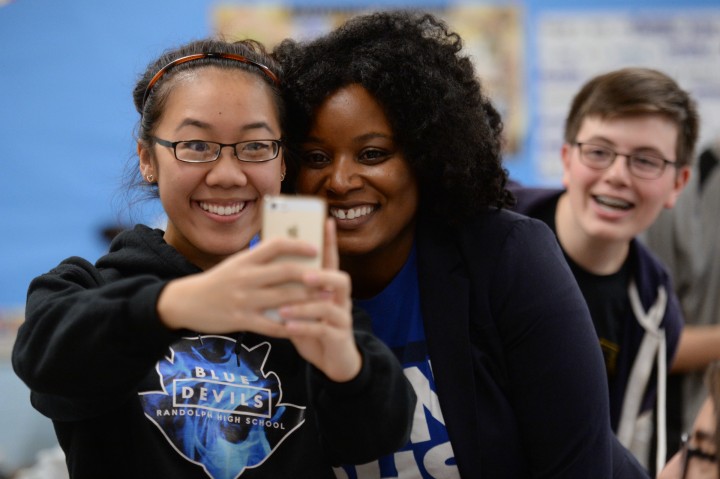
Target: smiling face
x,y
613,205
213,208
351,159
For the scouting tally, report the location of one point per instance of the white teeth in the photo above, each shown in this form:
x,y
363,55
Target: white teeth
x,y
223,210
613,202
351,213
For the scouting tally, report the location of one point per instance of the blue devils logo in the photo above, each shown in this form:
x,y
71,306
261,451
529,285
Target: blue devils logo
x,y
221,416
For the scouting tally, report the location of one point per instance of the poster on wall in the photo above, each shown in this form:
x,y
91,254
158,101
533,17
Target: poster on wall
x,y
573,46
492,38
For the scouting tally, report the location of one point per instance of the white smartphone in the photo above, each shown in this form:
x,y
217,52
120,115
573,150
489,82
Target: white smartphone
x,y
301,217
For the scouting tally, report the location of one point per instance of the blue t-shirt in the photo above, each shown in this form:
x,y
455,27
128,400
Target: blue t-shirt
x,y
397,321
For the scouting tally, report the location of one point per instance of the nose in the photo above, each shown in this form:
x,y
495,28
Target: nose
x,y
344,176
227,171
619,170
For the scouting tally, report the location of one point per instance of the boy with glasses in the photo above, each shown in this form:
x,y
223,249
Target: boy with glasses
x,y
629,140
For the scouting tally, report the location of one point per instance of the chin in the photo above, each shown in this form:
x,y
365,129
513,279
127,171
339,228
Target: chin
x,y
225,248
353,248
613,235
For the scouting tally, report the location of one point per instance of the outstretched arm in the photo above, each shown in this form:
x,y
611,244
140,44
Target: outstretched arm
x,y
699,346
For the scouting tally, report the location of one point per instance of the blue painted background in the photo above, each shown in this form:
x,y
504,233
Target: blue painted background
x,y
67,69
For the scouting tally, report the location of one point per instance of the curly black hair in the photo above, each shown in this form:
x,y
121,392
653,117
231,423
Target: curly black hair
x,y
448,130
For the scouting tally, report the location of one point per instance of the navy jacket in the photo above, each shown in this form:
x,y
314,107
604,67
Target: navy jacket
x,y
519,372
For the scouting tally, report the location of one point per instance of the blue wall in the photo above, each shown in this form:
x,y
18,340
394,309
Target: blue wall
x,y
66,115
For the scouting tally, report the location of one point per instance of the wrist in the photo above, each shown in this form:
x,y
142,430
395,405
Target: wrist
x,y
348,369
167,305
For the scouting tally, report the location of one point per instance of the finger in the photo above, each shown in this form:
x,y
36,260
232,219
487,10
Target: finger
x,y
298,328
269,250
335,281
255,322
267,275
317,312
330,251
276,296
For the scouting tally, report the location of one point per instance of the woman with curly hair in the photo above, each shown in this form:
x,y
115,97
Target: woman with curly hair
x,y
388,122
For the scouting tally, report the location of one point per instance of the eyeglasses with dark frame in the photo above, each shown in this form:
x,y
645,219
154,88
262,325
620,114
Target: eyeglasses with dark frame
x,y
689,452
201,151
644,166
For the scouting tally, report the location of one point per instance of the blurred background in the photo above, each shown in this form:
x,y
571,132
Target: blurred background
x,y
67,70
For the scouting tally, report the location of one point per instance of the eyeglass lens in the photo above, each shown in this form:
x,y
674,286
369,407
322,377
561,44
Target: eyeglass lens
x,y
205,151
642,166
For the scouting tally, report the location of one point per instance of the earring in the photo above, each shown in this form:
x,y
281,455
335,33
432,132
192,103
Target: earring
x,y
282,176
150,178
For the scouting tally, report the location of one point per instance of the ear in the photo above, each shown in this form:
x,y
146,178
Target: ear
x,y
681,179
147,161
566,155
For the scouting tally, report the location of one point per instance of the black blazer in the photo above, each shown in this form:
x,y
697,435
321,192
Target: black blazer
x,y
515,357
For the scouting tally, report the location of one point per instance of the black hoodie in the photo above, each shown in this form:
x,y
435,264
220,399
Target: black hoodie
x,y
130,398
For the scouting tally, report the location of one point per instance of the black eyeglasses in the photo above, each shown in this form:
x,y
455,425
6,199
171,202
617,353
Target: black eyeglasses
x,y
641,165
707,461
200,151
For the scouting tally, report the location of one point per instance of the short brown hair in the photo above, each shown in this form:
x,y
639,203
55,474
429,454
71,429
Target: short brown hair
x,y
637,91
